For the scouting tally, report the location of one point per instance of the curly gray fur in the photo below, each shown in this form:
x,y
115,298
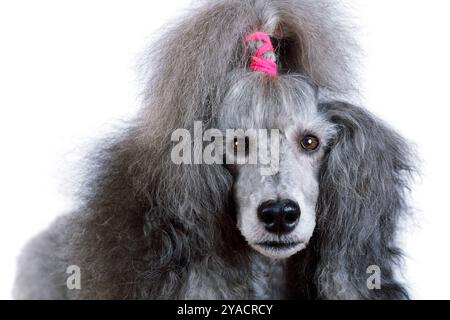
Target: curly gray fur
x,y
149,229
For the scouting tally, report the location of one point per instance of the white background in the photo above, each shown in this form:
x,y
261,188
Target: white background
x,y
67,74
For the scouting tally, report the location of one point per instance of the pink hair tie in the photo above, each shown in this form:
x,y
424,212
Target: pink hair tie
x,y
264,58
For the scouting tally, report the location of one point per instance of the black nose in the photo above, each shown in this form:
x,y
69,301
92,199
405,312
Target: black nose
x,y
279,216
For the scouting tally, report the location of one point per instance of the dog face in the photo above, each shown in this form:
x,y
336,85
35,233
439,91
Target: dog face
x,y
276,207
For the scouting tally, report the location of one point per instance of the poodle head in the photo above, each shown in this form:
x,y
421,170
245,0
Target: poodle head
x,y
283,132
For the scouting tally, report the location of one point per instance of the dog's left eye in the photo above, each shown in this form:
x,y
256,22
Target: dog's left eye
x,y
310,143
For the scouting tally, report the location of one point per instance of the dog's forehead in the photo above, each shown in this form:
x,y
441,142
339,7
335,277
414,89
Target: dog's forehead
x,y
276,106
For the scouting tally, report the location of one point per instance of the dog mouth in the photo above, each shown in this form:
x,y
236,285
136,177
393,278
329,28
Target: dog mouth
x,y
279,249
278,246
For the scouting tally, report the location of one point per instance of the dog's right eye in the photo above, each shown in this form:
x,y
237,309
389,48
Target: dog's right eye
x,y
238,147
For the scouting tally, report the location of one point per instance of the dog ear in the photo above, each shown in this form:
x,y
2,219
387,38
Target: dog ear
x,y
363,184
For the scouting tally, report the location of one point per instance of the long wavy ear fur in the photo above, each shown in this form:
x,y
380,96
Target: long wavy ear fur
x,y
362,198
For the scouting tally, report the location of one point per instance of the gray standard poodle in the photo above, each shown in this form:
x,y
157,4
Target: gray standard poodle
x,y
322,226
